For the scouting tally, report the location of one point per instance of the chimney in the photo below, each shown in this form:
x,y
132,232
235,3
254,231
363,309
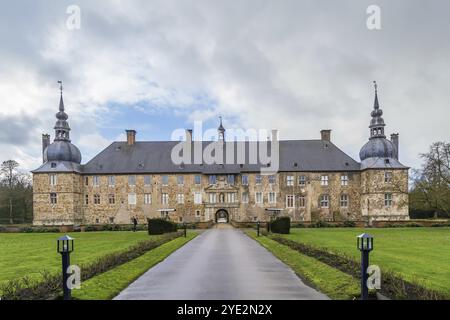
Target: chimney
x,y
131,137
45,144
325,135
188,135
394,139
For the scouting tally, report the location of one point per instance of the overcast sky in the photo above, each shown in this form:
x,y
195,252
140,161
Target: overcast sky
x,y
155,66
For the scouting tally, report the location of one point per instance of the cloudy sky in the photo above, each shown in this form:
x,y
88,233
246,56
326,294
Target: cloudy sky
x,y
154,66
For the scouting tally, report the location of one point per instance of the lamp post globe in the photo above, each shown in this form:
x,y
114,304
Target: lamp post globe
x,y
364,243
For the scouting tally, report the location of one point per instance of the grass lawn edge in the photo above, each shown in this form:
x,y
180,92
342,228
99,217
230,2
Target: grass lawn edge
x,y
328,280
109,284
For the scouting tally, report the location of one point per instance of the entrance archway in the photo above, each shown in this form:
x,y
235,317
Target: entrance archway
x,y
222,216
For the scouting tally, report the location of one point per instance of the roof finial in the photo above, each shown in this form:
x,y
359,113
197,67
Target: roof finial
x,y
375,103
61,102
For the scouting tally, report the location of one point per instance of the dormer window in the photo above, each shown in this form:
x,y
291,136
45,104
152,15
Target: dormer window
x,y
53,165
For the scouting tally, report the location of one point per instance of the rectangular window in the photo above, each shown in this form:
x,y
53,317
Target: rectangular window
x,y
344,201
245,197
180,198
272,179
132,198
344,180
272,197
53,198
96,181
245,180
147,198
290,201
388,199
324,201
111,181
231,197
198,179
197,213
302,180
111,199
258,197
180,180
212,198
165,198
131,180
197,198
230,179
258,179
388,177
96,199
301,201
53,180
289,180
324,180
86,199
212,179
165,180
147,180
86,181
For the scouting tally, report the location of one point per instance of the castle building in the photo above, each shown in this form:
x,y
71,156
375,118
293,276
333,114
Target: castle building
x,y
315,181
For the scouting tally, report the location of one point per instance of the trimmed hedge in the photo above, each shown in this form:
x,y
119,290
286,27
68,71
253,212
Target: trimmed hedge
x,y
160,226
281,225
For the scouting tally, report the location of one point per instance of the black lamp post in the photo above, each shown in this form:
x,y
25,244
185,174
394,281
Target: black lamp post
x,y
257,227
65,247
364,243
184,226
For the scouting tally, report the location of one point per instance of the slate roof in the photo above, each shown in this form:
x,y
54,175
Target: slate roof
x,y
155,157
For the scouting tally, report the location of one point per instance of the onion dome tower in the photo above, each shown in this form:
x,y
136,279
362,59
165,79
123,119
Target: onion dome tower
x,y
379,152
62,149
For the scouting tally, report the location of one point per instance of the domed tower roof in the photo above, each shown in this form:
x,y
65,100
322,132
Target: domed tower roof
x,y
378,152
62,149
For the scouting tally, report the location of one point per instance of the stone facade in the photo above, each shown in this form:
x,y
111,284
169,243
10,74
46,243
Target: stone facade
x,y
81,201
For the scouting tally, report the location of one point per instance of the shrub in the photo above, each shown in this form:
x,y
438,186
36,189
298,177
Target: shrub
x,y
160,226
349,224
281,225
413,225
320,224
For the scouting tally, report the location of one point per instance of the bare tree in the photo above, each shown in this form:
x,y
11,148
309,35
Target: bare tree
x,y
8,169
432,182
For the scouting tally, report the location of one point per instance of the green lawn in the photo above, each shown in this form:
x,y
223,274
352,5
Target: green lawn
x,y
108,284
421,255
24,254
328,280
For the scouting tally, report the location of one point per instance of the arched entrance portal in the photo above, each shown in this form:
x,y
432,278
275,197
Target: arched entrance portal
x,y
222,216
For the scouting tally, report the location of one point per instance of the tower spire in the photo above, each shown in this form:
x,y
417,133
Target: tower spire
x,y
377,122
221,130
62,126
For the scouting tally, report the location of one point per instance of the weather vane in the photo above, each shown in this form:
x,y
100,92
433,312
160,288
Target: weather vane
x,y
60,87
375,85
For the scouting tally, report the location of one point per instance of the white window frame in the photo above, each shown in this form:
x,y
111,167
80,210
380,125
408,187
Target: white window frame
x,y
272,179
261,196
324,201
180,198
302,180
147,198
301,201
96,181
289,181
149,182
244,179
258,179
272,197
131,181
180,180
53,198
388,200
53,179
198,198
113,197
97,199
165,183
343,201
111,181
199,180
132,199
324,180
244,197
290,201
212,197
164,198
344,180
388,177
